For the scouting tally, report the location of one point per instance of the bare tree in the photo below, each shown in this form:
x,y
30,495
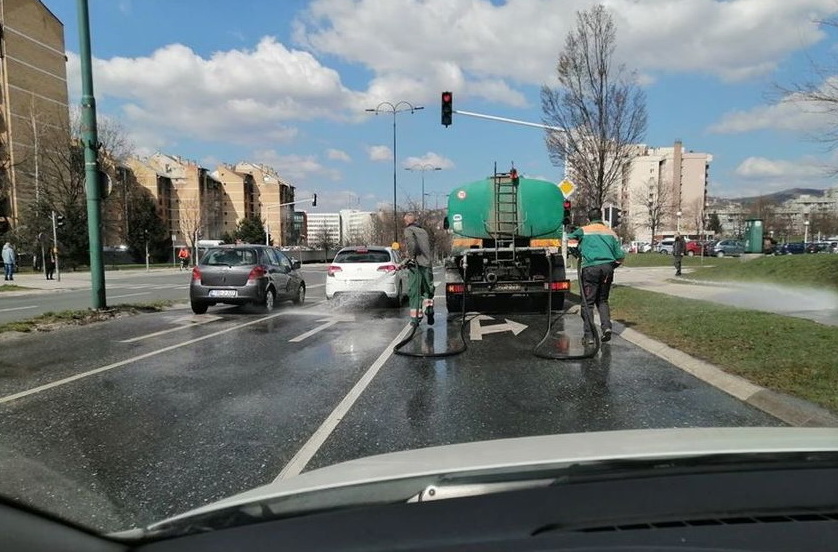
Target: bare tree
x,y
600,106
654,202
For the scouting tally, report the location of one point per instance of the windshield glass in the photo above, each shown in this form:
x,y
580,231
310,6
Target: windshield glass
x,y
587,218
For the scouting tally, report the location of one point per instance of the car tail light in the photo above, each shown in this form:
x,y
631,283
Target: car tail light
x,y
388,268
256,273
562,285
196,274
332,270
455,288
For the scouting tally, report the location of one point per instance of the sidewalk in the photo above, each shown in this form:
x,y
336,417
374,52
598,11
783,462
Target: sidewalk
x,y
71,281
813,304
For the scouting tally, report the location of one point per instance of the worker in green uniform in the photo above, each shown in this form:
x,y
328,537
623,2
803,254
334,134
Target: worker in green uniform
x,y
601,254
420,282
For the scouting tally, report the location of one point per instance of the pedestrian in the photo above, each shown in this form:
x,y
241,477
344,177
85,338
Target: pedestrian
x,y
183,256
601,254
420,282
50,265
679,247
9,261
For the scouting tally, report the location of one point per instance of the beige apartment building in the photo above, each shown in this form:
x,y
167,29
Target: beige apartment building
x,y
273,200
162,189
671,178
33,98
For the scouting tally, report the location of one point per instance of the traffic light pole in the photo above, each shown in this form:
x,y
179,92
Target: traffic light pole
x,y
90,142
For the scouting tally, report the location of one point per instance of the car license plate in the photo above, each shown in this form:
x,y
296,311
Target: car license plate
x,y
508,287
223,293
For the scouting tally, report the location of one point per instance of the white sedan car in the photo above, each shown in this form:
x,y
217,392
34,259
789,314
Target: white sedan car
x,y
372,270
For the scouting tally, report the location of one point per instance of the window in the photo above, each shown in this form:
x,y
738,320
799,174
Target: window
x,y
362,256
230,257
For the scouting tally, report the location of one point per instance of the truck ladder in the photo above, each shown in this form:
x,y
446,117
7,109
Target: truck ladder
x,y
506,211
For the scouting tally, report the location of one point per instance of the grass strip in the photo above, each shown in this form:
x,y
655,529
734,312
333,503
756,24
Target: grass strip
x,y
13,287
659,259
782,353
820,270
49,321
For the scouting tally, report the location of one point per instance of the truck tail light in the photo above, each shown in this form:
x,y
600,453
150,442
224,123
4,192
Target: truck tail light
x,y
562,285
455,288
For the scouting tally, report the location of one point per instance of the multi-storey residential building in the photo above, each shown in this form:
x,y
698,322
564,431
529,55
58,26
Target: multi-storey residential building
x,y
323,229
198,196
671,178
161,187
276,200
33,99
240,198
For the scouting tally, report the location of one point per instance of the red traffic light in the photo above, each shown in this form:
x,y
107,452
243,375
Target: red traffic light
x,y
447,108
446,96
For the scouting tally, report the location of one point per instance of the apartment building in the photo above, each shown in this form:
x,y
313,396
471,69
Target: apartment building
x,y
198,196
275,203
161,187
356,227
671,178
33,99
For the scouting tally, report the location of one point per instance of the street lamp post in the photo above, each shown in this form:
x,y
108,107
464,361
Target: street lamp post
x,y
805,232
398,107
422,168
678,223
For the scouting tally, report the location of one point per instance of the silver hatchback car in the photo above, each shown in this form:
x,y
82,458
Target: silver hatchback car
x,y
245,274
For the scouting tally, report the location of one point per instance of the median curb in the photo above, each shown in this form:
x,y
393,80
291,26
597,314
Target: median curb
x,y
793,411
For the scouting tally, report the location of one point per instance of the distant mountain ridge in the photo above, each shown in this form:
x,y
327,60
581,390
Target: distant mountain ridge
x,y
776,197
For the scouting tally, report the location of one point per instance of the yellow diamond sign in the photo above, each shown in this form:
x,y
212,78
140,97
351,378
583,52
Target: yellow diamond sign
x,y
567,187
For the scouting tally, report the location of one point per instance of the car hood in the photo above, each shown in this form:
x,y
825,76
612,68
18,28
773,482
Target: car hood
x,y
417,467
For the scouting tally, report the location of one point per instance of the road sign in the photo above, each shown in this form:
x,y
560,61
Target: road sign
x,y
567,187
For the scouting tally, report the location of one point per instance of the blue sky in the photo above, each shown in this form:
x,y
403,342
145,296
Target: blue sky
x,y
286,83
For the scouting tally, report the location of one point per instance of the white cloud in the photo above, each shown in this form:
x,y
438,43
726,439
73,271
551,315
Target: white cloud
x,y
483,49
429,160
295,168
380,153
236,96
788,171
337,155
788,114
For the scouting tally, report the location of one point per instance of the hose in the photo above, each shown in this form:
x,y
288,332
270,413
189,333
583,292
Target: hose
x,y
448,353
589,318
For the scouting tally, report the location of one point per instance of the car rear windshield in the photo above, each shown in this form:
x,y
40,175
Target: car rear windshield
x,y
362,256
231,257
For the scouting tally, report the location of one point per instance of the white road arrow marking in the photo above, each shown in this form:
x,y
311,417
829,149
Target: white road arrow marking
x,y
327,323
477,331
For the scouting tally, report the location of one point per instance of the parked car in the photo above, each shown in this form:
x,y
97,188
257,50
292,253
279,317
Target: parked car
x,y
666,245
367,270
819,247
639,247
694,247
245,274
733,248
797,248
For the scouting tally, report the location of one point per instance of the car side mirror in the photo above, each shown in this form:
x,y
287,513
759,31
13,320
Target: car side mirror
x,y
296,264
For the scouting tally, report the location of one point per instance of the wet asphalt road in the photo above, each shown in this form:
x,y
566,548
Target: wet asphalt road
x,y
170,411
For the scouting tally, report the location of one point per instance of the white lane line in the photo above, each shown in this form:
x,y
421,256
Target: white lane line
x,y
320,328
45,387
298,463
19,308
129,295
191,324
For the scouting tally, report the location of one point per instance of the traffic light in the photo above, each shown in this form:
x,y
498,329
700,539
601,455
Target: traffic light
x,y
59,221
566,206
513,175
314,203
616,217
447,108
